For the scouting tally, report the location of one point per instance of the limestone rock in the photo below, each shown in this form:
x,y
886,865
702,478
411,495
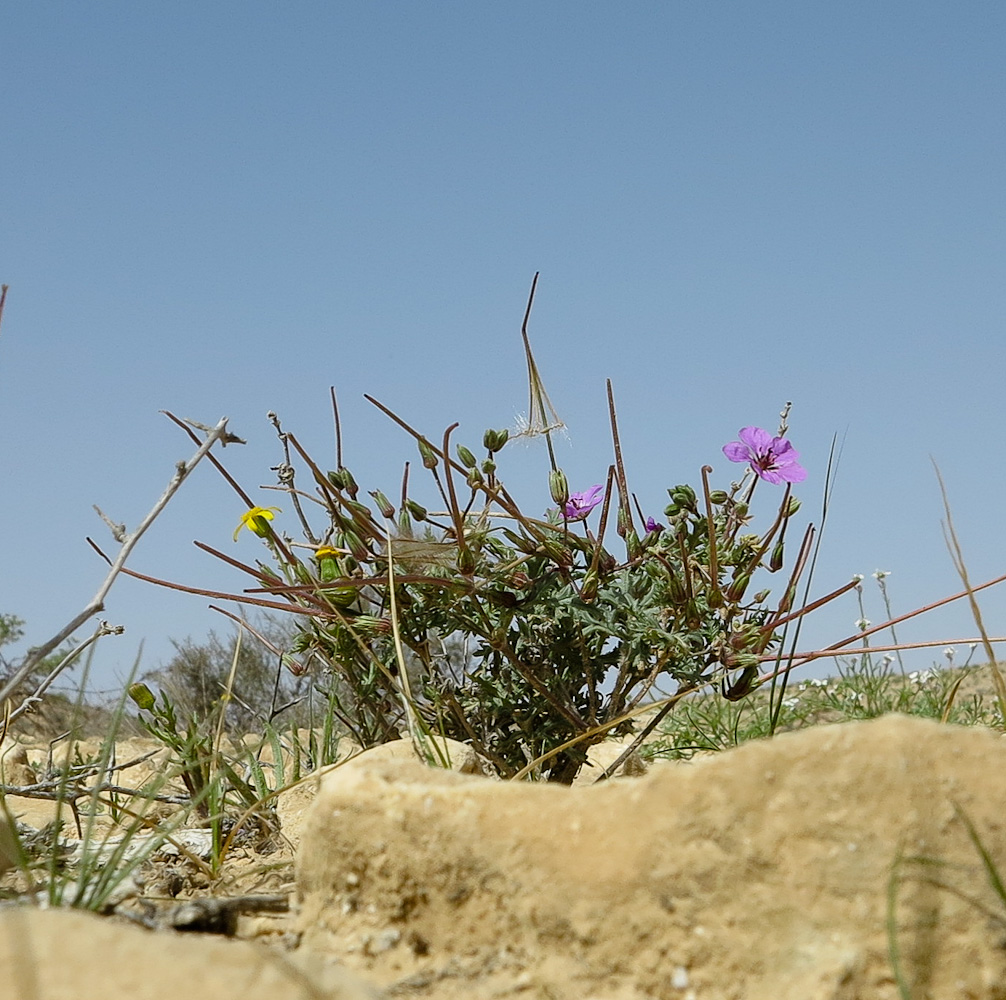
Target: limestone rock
x,y
292,804
759,874
69,955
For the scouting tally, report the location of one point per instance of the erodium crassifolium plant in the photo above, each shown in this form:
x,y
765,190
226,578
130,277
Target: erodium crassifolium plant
x,y
518,632
527,634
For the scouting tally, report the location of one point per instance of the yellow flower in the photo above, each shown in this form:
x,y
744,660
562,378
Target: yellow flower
x,y
256,520
327,552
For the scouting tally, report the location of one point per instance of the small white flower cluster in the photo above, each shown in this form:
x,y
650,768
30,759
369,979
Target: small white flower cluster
x,y
921,676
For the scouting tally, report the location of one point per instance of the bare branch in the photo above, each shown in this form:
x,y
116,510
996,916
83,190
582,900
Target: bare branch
x,y
97,603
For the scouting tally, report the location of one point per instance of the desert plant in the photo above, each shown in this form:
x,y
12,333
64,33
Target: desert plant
x,y
563,639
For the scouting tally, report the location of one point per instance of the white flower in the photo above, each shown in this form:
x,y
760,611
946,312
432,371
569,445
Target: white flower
x,y
863,624
881,573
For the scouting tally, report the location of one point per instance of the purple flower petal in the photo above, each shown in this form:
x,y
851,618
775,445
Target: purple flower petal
x,y
579,505
737,452
773,458
757,439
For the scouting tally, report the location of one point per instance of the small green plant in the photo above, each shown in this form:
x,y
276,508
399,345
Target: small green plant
x,y
216,791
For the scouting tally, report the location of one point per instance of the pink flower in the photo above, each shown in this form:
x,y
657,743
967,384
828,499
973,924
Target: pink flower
x,y
579,505
772,458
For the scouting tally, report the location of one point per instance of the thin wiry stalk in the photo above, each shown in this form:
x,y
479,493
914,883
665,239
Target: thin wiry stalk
x,y
957,555
776,696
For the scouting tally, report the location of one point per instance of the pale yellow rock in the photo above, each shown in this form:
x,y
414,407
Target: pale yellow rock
x,y
292,804
447,753
68,955
601,755
15,768
758,874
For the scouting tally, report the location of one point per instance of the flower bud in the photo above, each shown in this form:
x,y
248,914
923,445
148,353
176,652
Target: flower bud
x,y
466,561
468,460
738,586
683,496
558,486
341,597
354,543
556,551
343,479
521,542
488,466
142,695
418,511
519,580
718,497
588,589
761,596
676,590
384,505
792,507
633,548
426,450
474,478
328,566
775,561
624,522
494,440
368,625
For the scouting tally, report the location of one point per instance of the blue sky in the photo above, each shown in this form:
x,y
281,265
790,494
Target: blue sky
x,y
224,209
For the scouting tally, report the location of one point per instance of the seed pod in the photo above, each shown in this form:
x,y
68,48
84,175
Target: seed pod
x,y
468,460
718,497
488,466
793,506
588,589
474,478
775,561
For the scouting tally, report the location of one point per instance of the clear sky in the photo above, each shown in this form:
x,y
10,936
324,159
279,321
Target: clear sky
x,y
226,208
